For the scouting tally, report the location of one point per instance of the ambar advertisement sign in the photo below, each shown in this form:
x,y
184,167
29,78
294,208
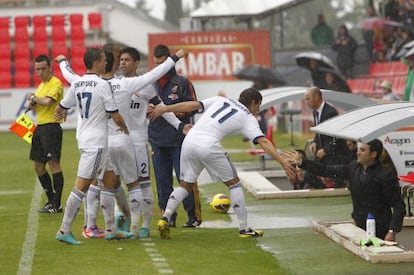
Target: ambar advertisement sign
x,y
215,55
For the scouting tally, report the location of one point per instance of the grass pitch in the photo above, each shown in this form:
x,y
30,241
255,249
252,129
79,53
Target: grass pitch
x,y
282,250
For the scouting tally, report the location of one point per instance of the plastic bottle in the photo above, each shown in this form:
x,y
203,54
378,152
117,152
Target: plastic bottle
x,y
370,226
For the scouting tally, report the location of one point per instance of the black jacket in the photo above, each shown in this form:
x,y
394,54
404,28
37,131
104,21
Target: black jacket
x,y
335,149
375,190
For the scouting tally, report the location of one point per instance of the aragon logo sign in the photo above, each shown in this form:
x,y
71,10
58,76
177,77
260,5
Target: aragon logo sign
x,y
397,141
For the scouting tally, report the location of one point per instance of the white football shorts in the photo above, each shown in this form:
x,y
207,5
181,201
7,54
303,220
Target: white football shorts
x,y
122,160
142,157
214,159
92,163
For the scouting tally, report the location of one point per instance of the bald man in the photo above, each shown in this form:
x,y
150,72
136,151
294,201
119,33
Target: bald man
x,y
324,148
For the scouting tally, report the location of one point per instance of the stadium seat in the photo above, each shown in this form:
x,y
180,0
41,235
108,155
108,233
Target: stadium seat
x,y
4,23
398,85
59,49
40,34
5,66
22,64
77,51
5,52
40,48
22,51
362,85
78,65
5,80
95,20
58,29
22,79
4,31
77,36
398,68
21,21
57,20
76,19
379,69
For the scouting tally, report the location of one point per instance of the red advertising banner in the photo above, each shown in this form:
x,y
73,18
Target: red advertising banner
x,y
215,55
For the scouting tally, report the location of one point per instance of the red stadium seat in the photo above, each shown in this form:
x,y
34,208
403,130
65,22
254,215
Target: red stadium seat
x,y
21,35
398,68
5,80
4,22
57,20
4,31
22,65
59,49
78,65
22,79
21,21
40,35
40,48
76,19
58,29
398,85
5,52
5,66
21,51
77,36
95,20
39,21
77,51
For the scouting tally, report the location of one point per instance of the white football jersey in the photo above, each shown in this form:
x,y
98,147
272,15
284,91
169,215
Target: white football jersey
x,y
222,116
93,97
138,128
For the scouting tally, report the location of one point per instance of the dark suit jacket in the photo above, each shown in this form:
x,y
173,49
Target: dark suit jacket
x,y
336,150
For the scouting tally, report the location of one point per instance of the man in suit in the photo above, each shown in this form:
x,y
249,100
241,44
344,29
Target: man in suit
x,y
325,148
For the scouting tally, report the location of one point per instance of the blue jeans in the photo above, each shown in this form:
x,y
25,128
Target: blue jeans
x,y
163,160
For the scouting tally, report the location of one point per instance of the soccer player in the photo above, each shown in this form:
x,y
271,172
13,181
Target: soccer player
x,y
202,149
94,100
47,139
122,160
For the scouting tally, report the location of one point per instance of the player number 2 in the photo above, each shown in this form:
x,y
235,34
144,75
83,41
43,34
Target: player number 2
x,y
226,115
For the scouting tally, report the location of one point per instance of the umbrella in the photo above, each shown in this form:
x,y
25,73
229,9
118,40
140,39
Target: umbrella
x,y
378,23
303,60
407,46
256,72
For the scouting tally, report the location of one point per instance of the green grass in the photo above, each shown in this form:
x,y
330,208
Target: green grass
x,y
190,251
218,250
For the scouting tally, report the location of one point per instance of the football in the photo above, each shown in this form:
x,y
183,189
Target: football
x,y
220,203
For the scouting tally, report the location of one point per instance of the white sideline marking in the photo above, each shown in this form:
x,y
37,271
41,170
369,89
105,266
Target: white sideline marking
x,y
157,259
26,259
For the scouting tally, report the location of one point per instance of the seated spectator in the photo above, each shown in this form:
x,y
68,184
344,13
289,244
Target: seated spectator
x,y
388,95
335,82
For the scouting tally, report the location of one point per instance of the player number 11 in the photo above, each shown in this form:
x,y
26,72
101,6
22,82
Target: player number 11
x,y
226,115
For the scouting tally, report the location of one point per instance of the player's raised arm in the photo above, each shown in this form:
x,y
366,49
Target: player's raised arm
x,y
188,106
66,69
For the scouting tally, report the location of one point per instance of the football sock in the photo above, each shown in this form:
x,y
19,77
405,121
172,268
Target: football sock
x,y
239,205
92,201
46,183
72,208
176,197
147,201
135,199
121,200
108,203
58,187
